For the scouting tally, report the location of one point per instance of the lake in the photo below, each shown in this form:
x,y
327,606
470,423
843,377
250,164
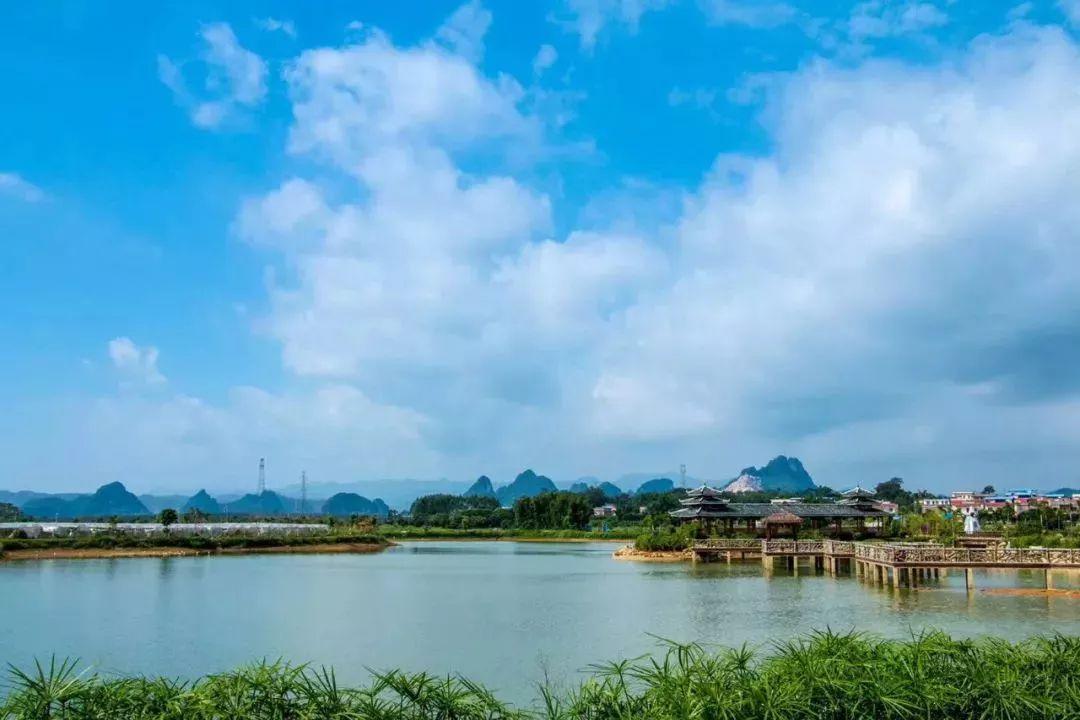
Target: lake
x,y
507,614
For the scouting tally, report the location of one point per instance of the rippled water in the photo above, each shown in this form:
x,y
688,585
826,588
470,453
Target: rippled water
x,y
504,613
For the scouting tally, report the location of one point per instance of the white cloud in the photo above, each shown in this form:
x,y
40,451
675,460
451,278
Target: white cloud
x,y
234,79
755,14
545,57
14,185
180,442
1071,8
587,18
352,101
136,365
885,18
463,32
270,24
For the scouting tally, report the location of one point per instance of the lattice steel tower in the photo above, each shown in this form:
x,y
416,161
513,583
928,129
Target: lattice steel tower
x,y
682,474
262,476
303,491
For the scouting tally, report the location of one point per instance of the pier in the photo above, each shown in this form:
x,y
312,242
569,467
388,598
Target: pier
x,y
888,564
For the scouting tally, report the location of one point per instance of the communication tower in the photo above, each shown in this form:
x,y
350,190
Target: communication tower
x,y
303,491
262,476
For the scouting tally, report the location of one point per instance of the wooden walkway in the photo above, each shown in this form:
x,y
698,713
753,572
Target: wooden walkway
x,y
892,564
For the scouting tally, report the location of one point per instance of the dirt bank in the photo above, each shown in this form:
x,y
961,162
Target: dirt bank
x,y
627,552
89,553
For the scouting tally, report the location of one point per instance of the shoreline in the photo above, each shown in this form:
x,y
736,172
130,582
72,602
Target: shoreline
x,y
406,539
628,552
31,554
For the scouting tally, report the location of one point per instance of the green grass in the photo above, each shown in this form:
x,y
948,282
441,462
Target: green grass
x,y
823,676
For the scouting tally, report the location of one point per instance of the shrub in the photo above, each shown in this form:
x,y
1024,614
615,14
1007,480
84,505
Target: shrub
x,y
822,676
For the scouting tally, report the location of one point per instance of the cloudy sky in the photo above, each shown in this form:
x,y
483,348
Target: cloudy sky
x,y
591,237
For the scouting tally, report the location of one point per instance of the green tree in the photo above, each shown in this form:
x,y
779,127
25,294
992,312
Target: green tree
x,y
989,490
893,491
167,517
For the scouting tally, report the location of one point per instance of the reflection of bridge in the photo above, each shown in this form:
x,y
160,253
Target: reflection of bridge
x,y
890,564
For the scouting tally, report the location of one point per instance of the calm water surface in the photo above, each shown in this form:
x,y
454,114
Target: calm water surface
x,y
504,613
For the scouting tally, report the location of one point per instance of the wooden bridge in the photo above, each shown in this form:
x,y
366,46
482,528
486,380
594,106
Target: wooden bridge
x,y
892,564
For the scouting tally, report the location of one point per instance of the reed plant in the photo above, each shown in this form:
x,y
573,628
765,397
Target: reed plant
x,y
822,676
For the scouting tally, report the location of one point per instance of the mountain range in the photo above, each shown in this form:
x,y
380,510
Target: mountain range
x,y
106,501
114,500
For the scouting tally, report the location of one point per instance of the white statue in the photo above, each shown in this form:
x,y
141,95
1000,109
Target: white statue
x,y
971,521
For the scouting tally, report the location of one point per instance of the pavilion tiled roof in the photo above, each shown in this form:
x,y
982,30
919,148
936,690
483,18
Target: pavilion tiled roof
x,y
783,517
759,511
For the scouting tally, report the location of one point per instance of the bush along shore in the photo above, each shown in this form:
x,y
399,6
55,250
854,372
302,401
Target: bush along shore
x,y
410,532
105,545
823,676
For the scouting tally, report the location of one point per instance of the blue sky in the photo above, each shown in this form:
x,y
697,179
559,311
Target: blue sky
x,y
590,237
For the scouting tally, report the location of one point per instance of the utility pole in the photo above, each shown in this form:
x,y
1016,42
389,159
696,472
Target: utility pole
x,y
262,476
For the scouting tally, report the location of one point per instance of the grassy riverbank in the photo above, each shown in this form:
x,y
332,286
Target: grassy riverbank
x,y
125,545
824,676
410,532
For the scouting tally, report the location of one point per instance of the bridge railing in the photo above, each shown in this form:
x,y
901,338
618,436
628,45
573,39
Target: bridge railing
x,y
728,544
838,547
793,547
993,555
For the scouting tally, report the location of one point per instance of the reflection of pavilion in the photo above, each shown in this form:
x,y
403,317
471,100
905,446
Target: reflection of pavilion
x,y
713,511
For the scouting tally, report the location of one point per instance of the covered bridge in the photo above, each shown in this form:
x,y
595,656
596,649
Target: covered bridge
x,y
710,508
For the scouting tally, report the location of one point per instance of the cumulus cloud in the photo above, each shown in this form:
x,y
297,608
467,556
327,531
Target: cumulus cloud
x,y
893,288
907,245
136,365
233,79
14,185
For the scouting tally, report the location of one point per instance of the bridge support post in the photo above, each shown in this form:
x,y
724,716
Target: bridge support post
x,y
969,578
1048,579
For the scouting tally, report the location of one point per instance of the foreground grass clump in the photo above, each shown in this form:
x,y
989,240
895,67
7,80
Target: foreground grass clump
x,y
822,676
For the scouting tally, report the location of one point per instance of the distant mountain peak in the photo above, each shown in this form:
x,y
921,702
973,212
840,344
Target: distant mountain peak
x,y
781,474
656,486
481,488
203,502
526,484
346,503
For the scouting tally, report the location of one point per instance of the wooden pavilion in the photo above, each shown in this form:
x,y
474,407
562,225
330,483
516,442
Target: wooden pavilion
x,y
780,522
